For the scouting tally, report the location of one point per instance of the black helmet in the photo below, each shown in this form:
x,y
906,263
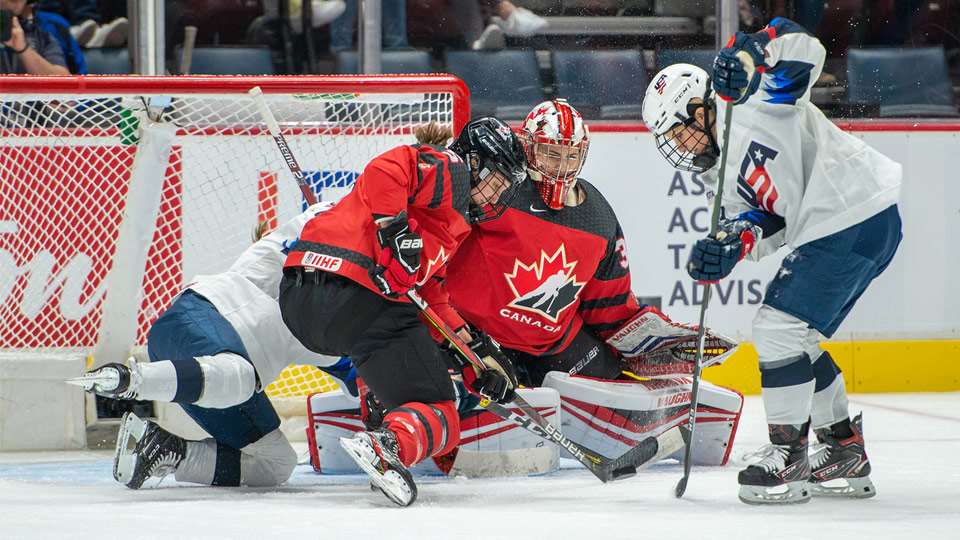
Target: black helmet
x,y
489,146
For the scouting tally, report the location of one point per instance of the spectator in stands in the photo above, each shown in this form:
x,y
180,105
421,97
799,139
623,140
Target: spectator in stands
x,y
30,49
393,15
503,19
59,28
322,12
85,20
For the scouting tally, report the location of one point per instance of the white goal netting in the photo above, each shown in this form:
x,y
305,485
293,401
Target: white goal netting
x,y
115,191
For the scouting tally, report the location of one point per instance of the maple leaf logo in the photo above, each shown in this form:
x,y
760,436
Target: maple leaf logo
x,y
435,262
547,286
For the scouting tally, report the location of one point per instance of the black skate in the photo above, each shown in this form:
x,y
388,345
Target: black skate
x,y
781,476
111,380
377,453
841,467
145,450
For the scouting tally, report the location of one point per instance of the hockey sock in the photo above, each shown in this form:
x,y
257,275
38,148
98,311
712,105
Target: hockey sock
x,y
830,395
424,429
787,389
210,463
217,382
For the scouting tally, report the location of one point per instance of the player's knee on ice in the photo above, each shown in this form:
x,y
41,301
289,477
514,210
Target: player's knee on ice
x,y
268,462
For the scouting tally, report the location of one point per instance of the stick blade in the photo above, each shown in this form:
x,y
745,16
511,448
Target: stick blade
x,y
681,487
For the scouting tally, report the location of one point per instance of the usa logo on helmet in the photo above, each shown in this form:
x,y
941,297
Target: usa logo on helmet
x,y
661,84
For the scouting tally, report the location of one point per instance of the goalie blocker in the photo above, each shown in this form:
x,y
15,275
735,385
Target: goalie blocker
x,y
609,417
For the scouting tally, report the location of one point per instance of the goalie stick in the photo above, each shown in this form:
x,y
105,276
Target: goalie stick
x,y
602,467
701,332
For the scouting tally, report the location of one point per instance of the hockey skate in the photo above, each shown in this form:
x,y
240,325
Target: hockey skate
x,y
377,453
781,476
841,467
145,450
111,380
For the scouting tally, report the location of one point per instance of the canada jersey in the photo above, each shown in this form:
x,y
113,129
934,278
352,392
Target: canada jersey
x,y
431,184
533,277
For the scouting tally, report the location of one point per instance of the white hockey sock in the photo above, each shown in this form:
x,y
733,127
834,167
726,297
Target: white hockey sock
x,y
228,380
159,381
200,463
267,462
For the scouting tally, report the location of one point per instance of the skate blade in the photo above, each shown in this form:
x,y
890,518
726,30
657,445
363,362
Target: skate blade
x,y
390,483
790,493
853,488
88,381
131,431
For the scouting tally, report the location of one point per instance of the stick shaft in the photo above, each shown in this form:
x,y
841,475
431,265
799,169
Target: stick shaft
x,y
701,332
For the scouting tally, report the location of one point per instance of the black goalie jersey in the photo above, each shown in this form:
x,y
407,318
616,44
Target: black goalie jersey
x,y
533,277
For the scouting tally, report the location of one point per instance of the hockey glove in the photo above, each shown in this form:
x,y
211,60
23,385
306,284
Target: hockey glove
x,y
498,381
713,258
399,259
739,66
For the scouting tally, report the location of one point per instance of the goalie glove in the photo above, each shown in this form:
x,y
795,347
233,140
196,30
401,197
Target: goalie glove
x,y
498,380
399,259
654,346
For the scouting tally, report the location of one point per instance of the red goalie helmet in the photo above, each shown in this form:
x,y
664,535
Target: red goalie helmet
x,y
556,140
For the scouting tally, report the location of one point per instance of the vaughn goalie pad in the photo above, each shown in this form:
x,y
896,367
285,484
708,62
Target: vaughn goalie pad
x,y
654,346
489,445
610,417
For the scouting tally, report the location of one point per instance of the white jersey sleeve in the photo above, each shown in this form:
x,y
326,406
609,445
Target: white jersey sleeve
x,y
785,158
246,295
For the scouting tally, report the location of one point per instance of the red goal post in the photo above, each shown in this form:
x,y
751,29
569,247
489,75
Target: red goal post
x,y
116,190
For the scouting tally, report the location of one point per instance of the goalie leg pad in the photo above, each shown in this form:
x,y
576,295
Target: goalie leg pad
x,y
610,417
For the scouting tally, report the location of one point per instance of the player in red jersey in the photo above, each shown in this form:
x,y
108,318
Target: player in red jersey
x,y
345,278
549,280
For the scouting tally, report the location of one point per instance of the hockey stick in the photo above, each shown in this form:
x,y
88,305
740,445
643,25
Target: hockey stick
x,y
701,332
604,468
274,128
647,451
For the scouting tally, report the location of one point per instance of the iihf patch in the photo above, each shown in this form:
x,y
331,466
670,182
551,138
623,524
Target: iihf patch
x,y
321,262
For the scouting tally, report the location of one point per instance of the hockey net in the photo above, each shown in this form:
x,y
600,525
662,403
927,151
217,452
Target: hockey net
x,y
116,191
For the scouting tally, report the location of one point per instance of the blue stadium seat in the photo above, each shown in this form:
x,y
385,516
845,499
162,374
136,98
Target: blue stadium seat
x,y
230,61
903,82
699,57
608,83
108,61
505,83
392,62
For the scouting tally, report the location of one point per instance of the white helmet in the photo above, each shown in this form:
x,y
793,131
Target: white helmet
x,y
667,104
556,141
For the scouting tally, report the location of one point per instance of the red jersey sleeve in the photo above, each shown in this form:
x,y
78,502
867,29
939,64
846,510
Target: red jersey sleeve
x,y
388,182
435,294
607,301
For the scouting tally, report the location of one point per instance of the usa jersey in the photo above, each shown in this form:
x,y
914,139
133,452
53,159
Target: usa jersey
x,y
534,277
431,184
246,295
786,159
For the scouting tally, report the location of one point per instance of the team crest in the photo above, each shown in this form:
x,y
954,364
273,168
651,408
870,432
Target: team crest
x,y
754,183
661,84
545,287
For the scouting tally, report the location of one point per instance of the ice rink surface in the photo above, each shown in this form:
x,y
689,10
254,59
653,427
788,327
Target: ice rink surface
x,y
913,441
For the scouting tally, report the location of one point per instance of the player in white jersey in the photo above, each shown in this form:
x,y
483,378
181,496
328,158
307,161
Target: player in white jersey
x,y
792,178
213,351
